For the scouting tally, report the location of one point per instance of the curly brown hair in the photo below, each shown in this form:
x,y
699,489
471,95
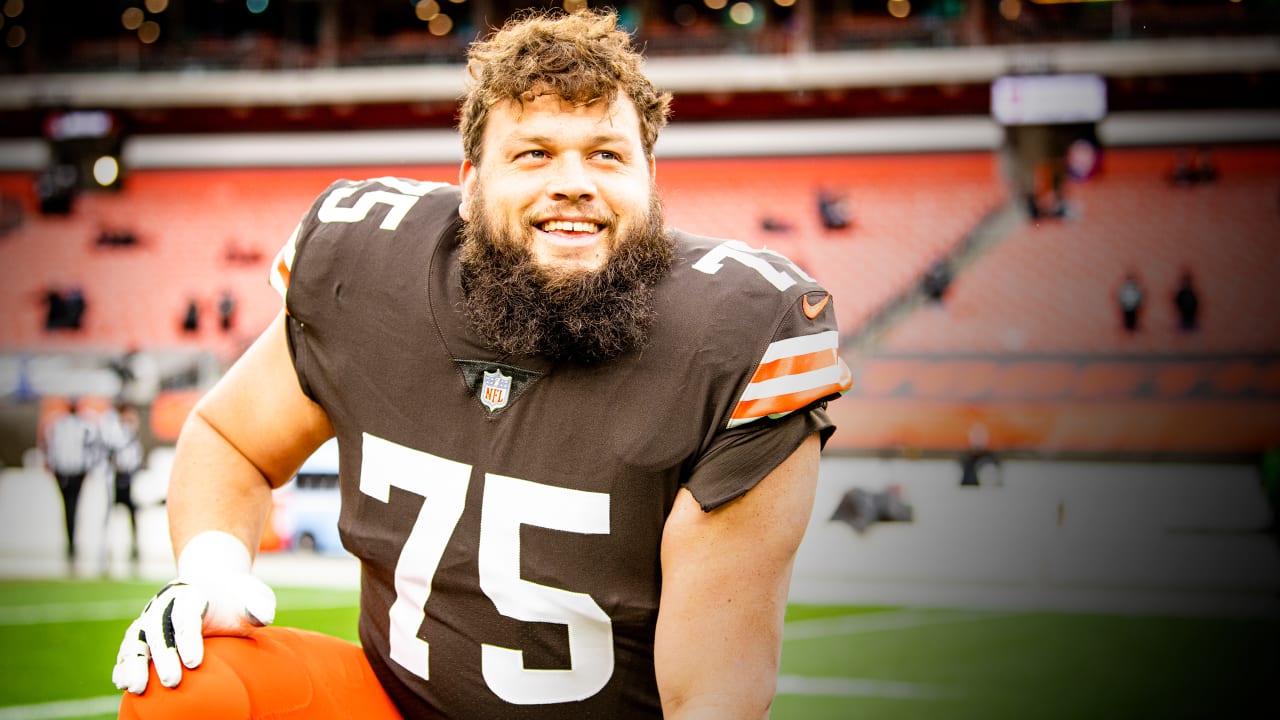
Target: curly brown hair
x,y
582,56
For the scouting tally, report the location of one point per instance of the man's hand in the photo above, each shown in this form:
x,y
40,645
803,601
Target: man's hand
x,y
215,595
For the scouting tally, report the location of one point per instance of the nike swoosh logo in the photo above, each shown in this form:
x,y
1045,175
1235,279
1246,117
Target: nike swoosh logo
x,y
812,311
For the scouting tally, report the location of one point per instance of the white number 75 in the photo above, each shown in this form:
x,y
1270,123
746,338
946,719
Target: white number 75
x,y
407,193
507,504
755,259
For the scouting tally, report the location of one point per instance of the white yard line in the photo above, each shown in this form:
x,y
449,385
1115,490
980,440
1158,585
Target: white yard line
x,y
62,709
856,687
880,621
869,623
112,610
69,612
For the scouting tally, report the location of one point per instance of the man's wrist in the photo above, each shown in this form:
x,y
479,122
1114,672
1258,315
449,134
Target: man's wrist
x,y
214,553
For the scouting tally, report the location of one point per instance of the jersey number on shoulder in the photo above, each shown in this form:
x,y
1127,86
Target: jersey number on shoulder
x,y
756,259
507,504
406,193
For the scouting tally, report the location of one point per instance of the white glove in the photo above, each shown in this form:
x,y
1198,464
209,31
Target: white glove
x,y
213,595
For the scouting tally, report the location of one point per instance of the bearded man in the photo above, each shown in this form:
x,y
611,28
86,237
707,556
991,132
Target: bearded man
x,y
578,450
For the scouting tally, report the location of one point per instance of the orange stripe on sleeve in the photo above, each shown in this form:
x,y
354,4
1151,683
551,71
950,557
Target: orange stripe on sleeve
x,y
793,365
282,266
778,405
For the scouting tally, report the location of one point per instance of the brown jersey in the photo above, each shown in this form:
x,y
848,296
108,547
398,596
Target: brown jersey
x,y
508,512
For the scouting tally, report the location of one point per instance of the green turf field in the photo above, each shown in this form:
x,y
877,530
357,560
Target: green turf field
x,y
58,642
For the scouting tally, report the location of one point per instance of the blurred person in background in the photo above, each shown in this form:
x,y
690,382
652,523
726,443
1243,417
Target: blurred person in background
x,y
834,209
121,430
64,308
72,447
191,316
578,450
1186,300
226,311
1130,298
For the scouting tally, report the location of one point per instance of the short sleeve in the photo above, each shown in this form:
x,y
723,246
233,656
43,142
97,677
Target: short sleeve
x,y
782,402
745,455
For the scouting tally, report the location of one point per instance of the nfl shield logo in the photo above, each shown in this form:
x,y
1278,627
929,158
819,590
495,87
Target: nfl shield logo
x,y
496,390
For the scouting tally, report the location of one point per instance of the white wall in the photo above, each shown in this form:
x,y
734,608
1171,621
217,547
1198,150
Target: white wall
x,y
1053,535
1179,538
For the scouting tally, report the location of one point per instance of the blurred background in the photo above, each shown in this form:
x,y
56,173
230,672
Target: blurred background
x,y
1052,230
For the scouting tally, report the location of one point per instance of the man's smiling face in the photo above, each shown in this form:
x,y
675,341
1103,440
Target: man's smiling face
x,y
568,182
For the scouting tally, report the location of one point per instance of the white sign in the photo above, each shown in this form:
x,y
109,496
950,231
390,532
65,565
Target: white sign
x,y
1048,99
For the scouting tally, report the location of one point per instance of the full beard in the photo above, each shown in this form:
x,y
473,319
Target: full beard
x,y
521,308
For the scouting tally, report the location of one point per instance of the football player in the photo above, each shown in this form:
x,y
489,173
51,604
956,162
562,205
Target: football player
x,y
578,449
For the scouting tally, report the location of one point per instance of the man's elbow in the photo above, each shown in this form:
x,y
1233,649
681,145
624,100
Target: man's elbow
x,y
725,706
747,693
203,444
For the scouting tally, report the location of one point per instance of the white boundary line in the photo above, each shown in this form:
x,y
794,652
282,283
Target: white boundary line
x,y
69,612
63,709
881,621
115,610
869,623
856,687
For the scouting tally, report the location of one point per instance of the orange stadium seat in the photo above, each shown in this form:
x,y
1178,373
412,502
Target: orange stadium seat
x,y
1028,340
185,222
908,209
1041,305
1050,287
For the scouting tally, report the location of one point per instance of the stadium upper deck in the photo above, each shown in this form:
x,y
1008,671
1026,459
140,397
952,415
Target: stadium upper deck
x,y
88,35
241,65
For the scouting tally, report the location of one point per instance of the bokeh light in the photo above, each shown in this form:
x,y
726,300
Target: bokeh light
x,y
742,13
426,9
132,18
440,25
149,32
106,170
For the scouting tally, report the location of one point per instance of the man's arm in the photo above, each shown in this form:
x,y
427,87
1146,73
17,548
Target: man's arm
x,y
725,579
248,434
